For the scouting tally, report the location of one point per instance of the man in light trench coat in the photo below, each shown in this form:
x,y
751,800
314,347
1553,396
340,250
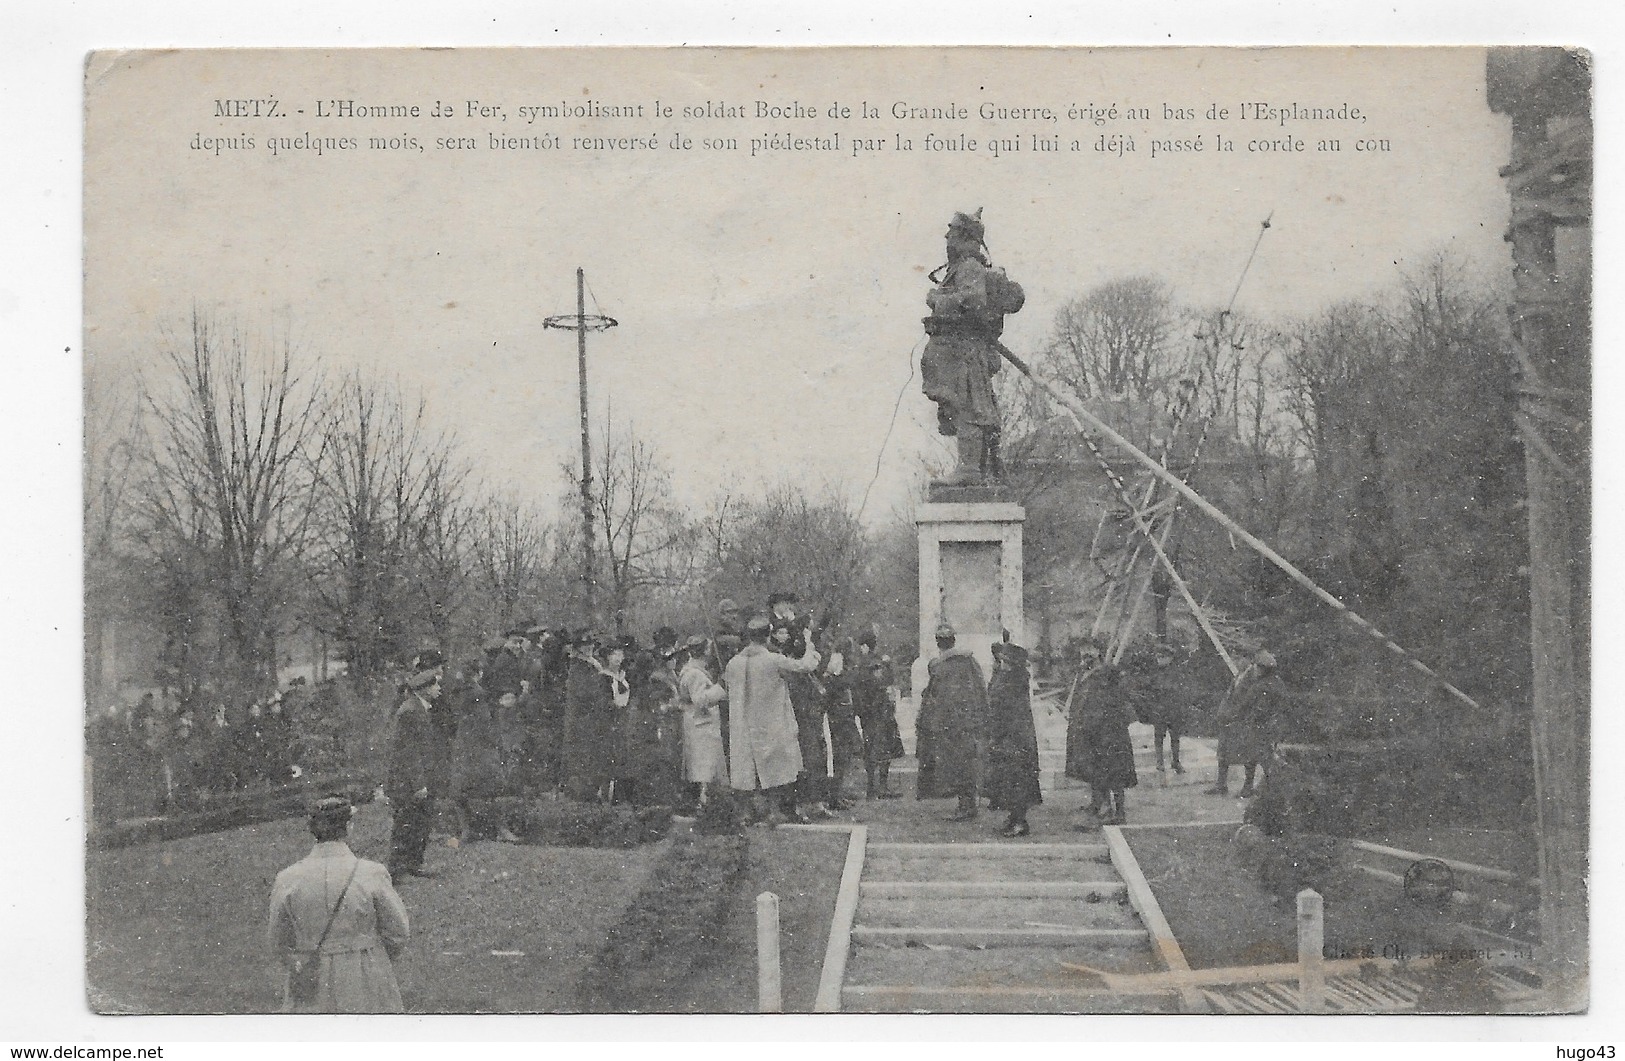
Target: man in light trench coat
x,y
764,748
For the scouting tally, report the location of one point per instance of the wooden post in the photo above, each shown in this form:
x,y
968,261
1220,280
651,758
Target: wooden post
x,y
1311,952
588,584
768,996
1547,94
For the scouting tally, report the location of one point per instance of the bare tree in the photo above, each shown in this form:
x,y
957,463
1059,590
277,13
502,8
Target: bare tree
x,y
227,500
378,476
441,541
641,528
1117,341
510,553
112,457
789,541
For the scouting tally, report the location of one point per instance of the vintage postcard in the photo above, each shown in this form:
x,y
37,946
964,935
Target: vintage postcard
x,y
959,530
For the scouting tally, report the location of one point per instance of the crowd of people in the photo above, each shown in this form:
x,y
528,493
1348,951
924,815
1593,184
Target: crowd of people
x,y
1107,697
160,757
753,718
763,718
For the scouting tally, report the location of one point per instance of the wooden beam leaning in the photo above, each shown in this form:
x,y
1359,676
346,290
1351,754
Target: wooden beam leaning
x,y
1142,527
1081,416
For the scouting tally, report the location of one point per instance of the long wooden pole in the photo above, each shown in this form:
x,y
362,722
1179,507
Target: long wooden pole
x,y
1145,530
1081,416
588,582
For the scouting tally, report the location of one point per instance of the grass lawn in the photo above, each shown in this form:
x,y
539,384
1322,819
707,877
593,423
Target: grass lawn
x,y
804,870
178,926
1222,916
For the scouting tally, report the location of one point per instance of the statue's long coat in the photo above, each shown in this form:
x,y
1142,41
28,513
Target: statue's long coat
x,y
953,719
764,749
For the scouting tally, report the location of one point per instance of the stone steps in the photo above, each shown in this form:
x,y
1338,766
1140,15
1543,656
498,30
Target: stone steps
x,y
986,928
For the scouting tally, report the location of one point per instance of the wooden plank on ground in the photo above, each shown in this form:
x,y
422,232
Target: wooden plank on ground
x,y
840,928
987,850
956,936
1145,904
1004,889
1467,868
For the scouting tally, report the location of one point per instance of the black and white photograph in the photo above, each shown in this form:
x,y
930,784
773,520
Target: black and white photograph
x,y
850,530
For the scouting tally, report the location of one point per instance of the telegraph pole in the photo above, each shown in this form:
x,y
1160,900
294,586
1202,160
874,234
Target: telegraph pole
x,y
581,323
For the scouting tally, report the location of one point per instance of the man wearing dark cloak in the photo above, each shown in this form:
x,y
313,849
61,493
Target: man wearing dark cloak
x,y
1012,753
968,307
953,726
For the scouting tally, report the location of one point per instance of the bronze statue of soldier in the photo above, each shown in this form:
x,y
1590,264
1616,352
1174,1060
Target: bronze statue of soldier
x,y
968,307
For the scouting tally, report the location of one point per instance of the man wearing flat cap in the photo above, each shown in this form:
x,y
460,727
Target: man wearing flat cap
x,y
414,759
764,755
968,307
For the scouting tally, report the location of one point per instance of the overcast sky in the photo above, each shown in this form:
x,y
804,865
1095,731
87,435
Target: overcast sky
x,y
769,307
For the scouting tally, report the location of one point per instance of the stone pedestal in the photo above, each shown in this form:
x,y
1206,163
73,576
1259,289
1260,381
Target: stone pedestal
x,y
970,576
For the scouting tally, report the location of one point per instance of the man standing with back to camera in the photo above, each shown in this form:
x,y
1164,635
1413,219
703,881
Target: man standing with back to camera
x,y
764,755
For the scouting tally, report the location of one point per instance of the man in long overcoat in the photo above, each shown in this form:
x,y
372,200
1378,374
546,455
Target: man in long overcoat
x,y
871,692
789,636
953,723
1012,758
1247,722
415,757
348,907
764,748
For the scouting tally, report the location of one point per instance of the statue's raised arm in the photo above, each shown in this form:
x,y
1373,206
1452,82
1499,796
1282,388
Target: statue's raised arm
x,y
968,307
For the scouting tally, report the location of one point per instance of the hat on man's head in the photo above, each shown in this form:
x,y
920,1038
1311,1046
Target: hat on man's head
x,y
969,225
1011,653
781,598
945,630
334,805
665,638
694,643
758,625
423,679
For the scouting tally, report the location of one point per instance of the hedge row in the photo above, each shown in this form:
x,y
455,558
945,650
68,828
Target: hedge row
x,y
231,812
676,920
564,823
